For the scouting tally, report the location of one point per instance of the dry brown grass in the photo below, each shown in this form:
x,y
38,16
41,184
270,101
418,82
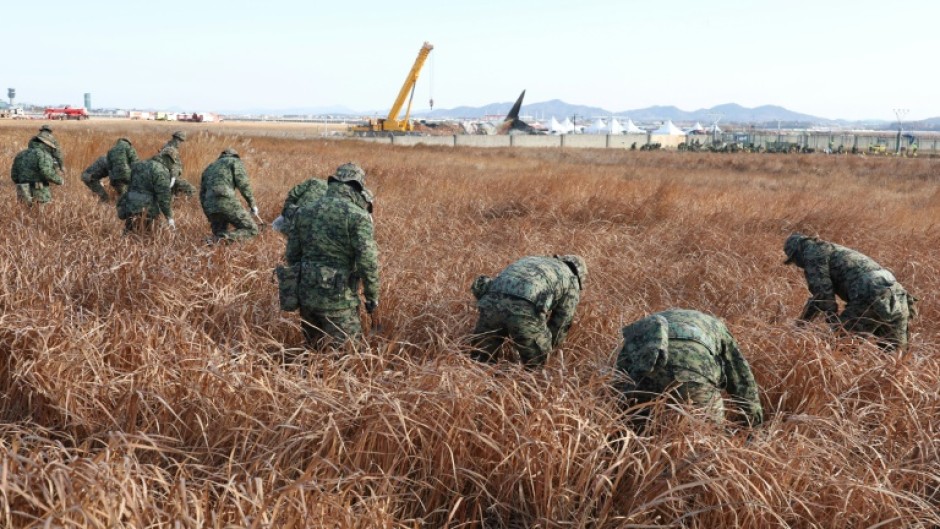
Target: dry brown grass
x,y
141,383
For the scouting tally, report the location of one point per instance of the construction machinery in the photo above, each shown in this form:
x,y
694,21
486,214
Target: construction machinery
x,y
392,124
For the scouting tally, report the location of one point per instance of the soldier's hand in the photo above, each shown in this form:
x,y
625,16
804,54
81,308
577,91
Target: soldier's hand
x,y
371,306
254,210
171,223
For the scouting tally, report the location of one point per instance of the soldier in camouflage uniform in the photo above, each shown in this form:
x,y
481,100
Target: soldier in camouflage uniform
x,y
302,194
875,303
218,200
120,159
148,194
180,185
33,170
45,131
94,174
332,240
532,302
693,355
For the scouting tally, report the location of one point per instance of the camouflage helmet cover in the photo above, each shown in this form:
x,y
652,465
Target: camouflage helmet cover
x,y
45,128
792,246
578,265
230,152
180,135
44,140
350,172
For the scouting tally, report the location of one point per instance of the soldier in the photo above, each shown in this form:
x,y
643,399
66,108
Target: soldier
x,y
33,170
532,302
45,131
302,194
93,175
875,303
120,159
148,194
180,185
333,242
219,203
693,355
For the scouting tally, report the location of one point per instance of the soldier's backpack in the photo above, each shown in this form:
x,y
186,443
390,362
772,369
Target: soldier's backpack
x,y
645,346
288,278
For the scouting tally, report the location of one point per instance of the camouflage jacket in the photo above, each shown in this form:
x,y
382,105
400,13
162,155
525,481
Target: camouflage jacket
x,y
546,282
693,347
35,166
149,190
177,169
97,170
218,185
303,194
333,241
57,152
832,270
120,159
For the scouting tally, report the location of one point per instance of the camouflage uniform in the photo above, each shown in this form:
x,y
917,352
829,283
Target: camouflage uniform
x,y
93,175
302,194
219,203
46,132
332,240
148,195
691,354
532,302
33,170
120,159
180,185
875,302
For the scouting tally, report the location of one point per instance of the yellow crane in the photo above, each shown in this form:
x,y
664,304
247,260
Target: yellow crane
x,y
392,123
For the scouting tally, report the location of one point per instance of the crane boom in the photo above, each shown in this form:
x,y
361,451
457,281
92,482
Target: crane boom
x,y
392,123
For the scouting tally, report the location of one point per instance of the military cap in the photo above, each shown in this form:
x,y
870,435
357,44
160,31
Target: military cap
x,y
230,152
792,246
45,128
579,266
350,172
44,141
180,135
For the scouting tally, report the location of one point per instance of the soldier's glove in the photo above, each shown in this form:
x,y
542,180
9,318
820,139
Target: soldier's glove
x,y
171,223
371,306
254,210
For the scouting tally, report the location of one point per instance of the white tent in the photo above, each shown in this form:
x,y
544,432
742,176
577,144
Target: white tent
x,y
668,129
696,129
614,127
598,127
567,125
554,127
714,129
630,128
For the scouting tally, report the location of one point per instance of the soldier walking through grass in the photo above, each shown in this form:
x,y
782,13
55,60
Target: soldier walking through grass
x,y
148,194
302,194
180,185
33,170
692,355
94,174
217,196
532,303
120,159
333,243
875,303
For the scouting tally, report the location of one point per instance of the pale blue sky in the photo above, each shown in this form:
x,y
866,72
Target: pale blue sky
x,y
836,59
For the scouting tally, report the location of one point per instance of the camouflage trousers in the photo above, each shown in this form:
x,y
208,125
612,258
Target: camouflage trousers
x,y
245,227
30,193
689,377
182,187
885,317
503,317
323,328
95,186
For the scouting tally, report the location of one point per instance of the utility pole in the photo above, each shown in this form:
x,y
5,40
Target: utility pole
x,y
716,117
900,113
574,123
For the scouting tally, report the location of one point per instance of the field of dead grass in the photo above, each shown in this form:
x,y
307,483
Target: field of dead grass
x,y
142,382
